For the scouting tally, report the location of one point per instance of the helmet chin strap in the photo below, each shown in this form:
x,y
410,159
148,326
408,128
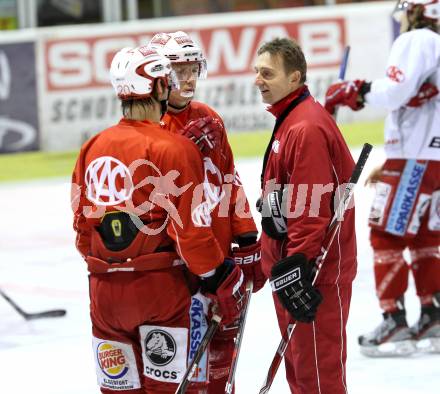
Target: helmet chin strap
x,y
178,108
164,103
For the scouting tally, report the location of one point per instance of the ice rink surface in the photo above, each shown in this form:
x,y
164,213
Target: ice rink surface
x,y
40,269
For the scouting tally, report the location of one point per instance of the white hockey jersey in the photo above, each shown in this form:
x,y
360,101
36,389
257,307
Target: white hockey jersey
x,y
410,132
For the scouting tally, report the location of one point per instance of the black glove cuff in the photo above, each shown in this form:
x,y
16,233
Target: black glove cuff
x,y
246,240
364,89
213,282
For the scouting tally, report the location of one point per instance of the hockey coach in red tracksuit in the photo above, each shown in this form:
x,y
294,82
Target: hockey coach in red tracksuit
x,y
308,158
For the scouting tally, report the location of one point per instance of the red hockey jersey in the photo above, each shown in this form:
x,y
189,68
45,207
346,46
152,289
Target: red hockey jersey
x,y
143,169
230,214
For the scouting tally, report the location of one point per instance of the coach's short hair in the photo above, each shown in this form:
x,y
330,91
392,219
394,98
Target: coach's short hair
x,y
290,52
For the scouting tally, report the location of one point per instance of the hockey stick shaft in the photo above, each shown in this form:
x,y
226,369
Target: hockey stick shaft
x,y
328,240
342,71
209,334
32,316
237,346
344,62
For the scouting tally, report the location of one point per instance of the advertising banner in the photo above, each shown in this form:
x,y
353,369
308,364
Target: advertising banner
x,y
74,65
80,101
18,98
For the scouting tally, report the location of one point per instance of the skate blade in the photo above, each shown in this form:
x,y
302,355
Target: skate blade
x,y
429,345
390,349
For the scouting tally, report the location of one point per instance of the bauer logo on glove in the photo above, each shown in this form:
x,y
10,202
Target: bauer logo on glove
x,y
246,258
292,282
286,279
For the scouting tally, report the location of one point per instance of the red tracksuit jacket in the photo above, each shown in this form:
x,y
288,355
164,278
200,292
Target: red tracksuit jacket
x,y
309,153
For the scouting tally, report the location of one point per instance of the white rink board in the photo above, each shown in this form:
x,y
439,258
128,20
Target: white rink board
x,y
76,99
40,269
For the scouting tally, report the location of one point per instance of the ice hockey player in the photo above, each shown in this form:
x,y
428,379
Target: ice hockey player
x,y
142,228
232,222
406,210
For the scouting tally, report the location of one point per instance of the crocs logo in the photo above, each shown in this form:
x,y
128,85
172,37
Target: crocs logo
x,y
160,347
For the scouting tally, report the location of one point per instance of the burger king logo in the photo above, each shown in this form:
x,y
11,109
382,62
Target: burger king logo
x,y
111,360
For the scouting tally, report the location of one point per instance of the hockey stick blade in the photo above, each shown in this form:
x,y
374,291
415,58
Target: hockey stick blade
x,y
33,316
328,240
238,339
46,314
212,328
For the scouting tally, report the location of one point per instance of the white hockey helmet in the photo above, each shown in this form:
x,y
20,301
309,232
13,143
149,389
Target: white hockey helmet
x,y
133,72
180,48
431,8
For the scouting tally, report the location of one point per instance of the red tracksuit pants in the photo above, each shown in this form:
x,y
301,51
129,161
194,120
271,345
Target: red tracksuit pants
x,y
315,357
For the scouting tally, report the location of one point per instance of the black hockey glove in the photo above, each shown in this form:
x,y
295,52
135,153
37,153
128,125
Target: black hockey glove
x,y
273,221
292,282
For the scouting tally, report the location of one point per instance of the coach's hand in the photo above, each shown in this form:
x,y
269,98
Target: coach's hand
x,y
374,176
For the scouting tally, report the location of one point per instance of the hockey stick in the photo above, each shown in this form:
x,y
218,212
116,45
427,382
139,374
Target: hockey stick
x,y
209,334
342,70
328,240
344,62
237,346
36,315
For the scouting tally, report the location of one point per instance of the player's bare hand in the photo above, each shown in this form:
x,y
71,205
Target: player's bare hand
x,y
374,176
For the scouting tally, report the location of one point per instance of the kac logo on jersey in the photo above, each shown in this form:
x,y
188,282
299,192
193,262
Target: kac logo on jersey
x,y
108,181
213,193
395,74
276,146
160,347
111,360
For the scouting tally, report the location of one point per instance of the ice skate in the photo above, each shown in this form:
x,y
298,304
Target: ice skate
x,y
426,330
392,338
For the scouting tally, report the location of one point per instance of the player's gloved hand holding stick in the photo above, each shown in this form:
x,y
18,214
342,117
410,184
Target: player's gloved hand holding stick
x,y
226,287
248,257
302,298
